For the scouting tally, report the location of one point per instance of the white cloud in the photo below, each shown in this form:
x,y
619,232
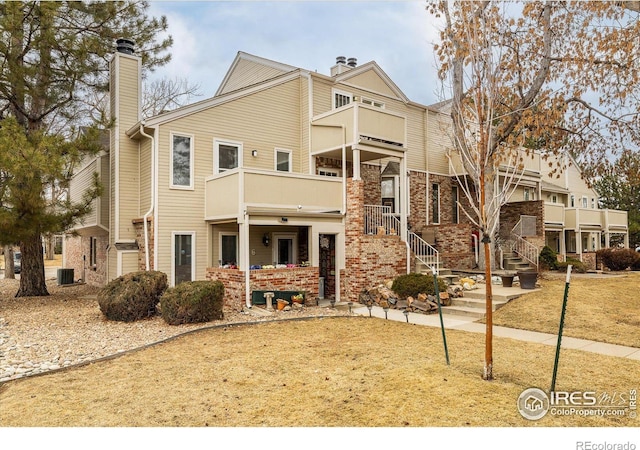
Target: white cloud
x,y
208,35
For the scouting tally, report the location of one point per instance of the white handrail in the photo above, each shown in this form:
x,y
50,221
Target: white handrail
x,y
381,219
525,249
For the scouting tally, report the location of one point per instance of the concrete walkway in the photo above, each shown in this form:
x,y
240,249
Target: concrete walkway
x,y
463,323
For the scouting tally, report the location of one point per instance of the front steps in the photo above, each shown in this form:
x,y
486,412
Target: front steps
x,y
473,303
511,261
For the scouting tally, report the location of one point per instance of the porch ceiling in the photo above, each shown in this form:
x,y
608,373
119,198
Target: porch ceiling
x,y
367,153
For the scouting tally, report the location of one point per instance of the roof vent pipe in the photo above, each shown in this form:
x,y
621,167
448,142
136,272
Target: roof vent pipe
x,y
125,46
341,60
352,62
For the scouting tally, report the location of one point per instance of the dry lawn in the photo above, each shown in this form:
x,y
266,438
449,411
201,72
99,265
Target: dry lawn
x,y
600,309
332,372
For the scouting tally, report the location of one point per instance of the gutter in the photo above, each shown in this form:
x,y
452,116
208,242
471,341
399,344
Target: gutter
x,y
148,213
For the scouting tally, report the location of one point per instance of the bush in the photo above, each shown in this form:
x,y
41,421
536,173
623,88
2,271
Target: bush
x,y
548,259
618,258
133,296
578,266
413,284
193,302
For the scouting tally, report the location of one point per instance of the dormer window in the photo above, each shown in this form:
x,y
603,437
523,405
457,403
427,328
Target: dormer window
x,y
341,98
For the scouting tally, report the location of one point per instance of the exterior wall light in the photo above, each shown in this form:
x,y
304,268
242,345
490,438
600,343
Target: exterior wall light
x,y
265,240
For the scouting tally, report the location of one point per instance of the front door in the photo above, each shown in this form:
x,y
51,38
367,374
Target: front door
x,y
328,264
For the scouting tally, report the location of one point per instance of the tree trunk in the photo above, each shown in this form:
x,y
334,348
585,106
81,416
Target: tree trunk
x,y
8,263
50,241
32,280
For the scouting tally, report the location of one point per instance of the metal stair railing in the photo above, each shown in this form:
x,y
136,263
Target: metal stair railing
x,y
380,217
522,247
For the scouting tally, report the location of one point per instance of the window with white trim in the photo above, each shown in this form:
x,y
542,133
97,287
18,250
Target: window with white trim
x,y
227,155
341,98
181,161
585,202
228,249
390,192
328,172
572,201
183,256
283,160
593,203
371,102
93,251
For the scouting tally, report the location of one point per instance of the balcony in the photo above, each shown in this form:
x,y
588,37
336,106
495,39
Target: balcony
x,y
554,214
364,125
228,194
604,219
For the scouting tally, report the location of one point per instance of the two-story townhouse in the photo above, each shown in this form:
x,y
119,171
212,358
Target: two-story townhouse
x,y
285,179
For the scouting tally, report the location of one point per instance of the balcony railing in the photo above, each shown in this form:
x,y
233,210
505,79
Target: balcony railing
x,y
362,124
227,193
381,219
601,218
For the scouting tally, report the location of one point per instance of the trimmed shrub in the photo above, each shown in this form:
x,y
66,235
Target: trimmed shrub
x,y
617,259
636,265
193,302
548,259
133,296
413,284
578,266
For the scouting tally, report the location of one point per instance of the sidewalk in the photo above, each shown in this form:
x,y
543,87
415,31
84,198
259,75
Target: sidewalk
x,y
463,323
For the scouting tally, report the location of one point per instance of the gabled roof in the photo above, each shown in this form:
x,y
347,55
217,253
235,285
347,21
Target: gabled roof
x,y
247,70
372,66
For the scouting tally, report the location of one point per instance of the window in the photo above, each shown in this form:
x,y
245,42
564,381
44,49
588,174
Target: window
x,y
573,201
183,257
226,156
285,248
181,161
435,203
593,203
283,160
554,199
368,101
326,172
389,188
229,249
93,251
341,98
585,200
454,204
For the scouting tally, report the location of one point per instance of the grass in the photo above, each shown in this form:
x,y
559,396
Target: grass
x,y
601,309
338,372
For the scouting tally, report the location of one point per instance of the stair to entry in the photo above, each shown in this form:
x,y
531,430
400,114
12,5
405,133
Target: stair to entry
x,y
473,303
511,261
446,274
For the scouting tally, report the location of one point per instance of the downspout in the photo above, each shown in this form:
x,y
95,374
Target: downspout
x,y
148,213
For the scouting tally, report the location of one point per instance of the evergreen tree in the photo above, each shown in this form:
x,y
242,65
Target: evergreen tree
x,y
54,57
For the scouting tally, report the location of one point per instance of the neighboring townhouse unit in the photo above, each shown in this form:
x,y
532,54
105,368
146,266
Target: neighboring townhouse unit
x,y
294,180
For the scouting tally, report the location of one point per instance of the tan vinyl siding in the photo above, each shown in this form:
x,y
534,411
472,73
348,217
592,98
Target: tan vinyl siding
x,y
248,73
129,152
321,97
416,154
129,262
80,182
438,142
105,198
145,177
260,121
371,81
304,126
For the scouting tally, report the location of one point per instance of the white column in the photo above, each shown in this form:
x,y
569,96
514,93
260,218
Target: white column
x,y
404,199
243,251
356,163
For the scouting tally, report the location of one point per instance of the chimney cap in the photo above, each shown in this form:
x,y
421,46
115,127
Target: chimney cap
x,y
352,62
341,60
125,46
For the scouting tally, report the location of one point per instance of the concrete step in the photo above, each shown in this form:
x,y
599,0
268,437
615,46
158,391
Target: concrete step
x,y
463,311
497,296
477,303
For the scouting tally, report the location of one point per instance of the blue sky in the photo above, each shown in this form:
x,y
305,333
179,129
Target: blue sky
x,y
398,35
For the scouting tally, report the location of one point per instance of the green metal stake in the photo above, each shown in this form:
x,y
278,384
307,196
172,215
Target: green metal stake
x,y
564,309
444,337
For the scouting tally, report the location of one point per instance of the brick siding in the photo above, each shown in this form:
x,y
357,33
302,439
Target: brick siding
x,y
77,251
137,224
295,279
